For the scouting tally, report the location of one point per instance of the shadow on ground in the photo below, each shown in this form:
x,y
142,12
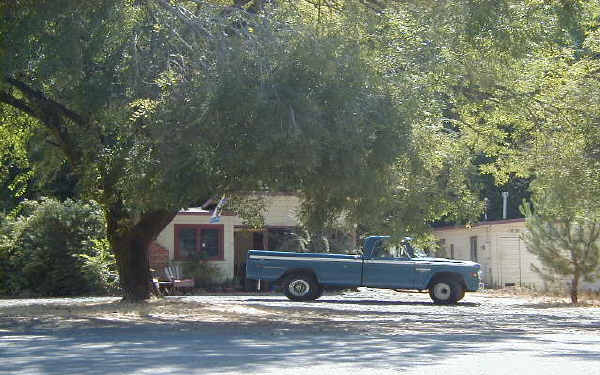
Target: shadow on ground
x,y
213,348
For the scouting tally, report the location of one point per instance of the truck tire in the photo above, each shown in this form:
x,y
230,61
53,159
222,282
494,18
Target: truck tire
x,y
301,287
446,291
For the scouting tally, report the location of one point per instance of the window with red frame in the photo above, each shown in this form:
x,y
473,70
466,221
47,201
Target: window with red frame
x,y
203,241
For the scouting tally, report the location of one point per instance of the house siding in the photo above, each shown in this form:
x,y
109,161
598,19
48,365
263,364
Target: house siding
x,y
282,210
503,255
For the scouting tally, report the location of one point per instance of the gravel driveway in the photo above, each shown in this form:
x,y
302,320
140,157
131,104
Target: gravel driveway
x,y
364,332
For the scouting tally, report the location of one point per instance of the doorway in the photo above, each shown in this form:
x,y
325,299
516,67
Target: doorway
x,y
244,240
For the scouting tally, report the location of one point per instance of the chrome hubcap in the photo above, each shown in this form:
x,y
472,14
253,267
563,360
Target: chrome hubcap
x,y
299,288
441,291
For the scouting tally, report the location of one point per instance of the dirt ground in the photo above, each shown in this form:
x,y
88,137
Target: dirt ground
x,y
269,308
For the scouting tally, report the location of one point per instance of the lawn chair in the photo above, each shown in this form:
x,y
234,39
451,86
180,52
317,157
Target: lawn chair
x,y
175,277
159,285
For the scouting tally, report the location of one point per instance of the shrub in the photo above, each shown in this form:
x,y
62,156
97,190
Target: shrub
x,y
5,267
101,268
204,274
41,246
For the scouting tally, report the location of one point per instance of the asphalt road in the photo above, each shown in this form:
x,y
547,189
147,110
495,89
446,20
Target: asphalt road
x,y
365,332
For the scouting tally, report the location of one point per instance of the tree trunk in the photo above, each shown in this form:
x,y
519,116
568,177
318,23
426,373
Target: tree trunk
x,y
134,270
574,288
130,245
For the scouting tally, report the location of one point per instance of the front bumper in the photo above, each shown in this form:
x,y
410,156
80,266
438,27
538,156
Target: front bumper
x,y
473,281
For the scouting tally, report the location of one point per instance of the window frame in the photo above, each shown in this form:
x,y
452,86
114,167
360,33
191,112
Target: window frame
x,y
198,229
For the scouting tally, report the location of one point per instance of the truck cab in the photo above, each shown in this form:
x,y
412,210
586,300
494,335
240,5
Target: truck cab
x,y
400,265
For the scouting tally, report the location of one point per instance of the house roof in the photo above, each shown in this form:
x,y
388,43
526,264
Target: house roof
x,y
482,223
199,211
194,209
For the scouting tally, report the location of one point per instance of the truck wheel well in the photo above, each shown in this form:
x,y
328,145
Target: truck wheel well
x,y
447,276
298,271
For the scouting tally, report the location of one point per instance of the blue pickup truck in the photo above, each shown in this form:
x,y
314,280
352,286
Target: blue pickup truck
x,y
384,264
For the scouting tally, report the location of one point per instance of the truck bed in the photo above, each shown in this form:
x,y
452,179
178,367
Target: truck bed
x,y
330,269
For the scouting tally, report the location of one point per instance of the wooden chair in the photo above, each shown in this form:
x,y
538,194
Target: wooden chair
x,y
175,277
160,286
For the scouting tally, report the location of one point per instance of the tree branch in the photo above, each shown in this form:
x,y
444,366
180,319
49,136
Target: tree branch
x,y
17,103
51,114
241,3
184,15
374,5
53,144
37,96
331,5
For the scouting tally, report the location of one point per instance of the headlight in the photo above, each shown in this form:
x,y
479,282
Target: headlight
x,y
476,275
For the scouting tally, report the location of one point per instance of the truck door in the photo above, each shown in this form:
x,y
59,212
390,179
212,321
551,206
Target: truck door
x,y
389,266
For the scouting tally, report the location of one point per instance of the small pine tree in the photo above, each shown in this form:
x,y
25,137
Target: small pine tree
x,y
567,246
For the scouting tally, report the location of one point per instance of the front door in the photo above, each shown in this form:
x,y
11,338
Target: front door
x,y
244,240
389,267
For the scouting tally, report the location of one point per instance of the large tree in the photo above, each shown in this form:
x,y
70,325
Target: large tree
x,y
157,106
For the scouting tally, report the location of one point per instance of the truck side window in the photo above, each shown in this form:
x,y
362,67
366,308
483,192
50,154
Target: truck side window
x,y
387,250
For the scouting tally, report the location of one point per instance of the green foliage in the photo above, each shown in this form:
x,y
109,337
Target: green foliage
x,y
100,268
250,208
5,265
512,86
40,244
267,106
203,273
14,172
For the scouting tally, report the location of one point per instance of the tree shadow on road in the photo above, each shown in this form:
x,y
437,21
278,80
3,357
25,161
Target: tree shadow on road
x,y
218,348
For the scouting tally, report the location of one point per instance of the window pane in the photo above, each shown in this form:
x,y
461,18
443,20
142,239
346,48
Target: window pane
x,y
210,242
187,242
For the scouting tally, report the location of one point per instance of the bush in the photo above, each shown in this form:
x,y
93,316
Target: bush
x,y
204,274
5,267
101,268
44,247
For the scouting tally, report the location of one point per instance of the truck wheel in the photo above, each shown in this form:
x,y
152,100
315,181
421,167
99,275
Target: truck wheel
x,y
446,292
301,287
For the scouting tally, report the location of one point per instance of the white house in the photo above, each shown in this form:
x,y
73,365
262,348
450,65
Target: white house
x,y
498,247
225,243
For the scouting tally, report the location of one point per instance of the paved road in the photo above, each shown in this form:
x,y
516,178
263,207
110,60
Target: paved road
x,y
365,332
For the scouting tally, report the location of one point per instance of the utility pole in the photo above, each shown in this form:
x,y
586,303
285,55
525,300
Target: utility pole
x,y
504,204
